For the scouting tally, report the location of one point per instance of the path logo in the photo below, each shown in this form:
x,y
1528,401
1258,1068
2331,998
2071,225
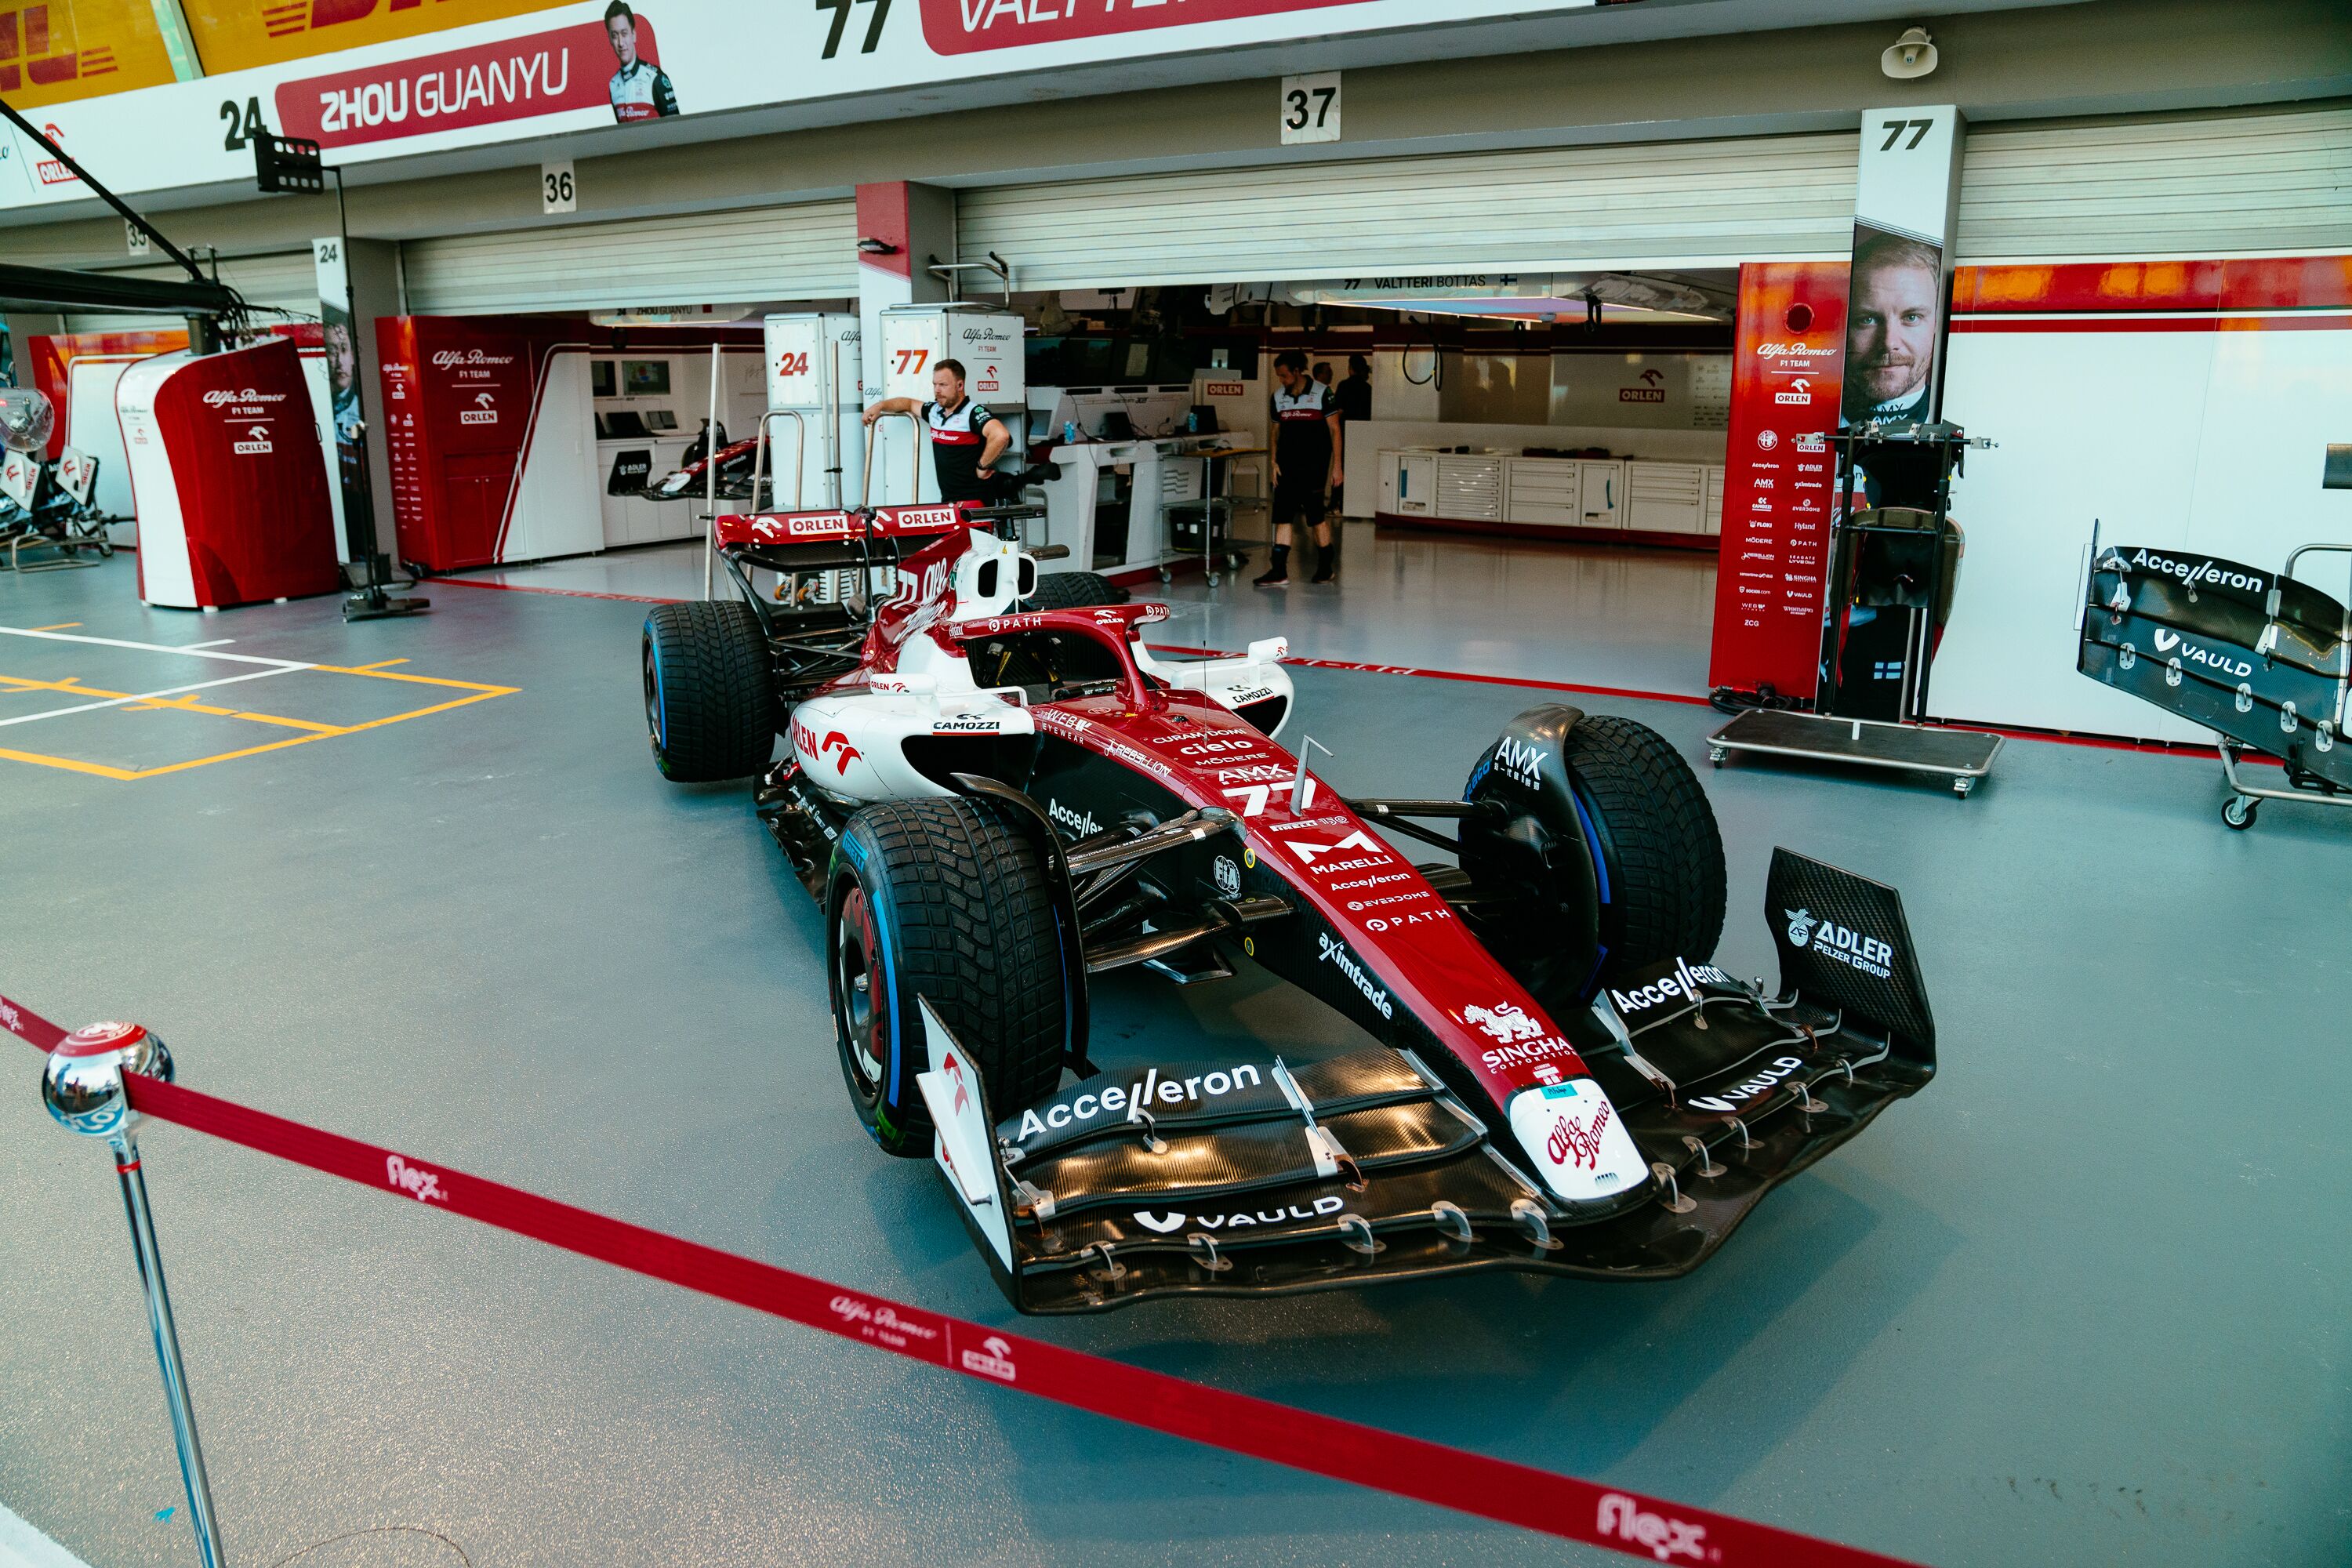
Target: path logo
x,y
1667,1539
993,1359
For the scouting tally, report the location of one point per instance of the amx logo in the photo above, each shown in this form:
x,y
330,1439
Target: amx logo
x,y
1520,761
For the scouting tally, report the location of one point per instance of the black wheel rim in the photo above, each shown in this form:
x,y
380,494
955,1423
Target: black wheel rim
x,y
860,1010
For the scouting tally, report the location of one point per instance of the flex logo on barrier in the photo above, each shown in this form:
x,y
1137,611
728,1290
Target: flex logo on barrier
x,y
1667,1539
418,1183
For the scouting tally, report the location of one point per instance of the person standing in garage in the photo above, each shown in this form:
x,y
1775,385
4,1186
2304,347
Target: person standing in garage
x,y
1354,396
1305,457
966,438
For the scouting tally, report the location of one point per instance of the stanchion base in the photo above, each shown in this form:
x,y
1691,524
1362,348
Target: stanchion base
x,y
1962,756
382,607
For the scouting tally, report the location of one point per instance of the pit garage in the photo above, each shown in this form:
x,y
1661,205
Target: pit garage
x,y
724,1005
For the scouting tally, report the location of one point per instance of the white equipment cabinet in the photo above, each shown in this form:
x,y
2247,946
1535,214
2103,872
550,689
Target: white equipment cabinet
x,y
1470,487
1714,498
986,340
1409,484
1601,491
816,369
1543,490
1666,498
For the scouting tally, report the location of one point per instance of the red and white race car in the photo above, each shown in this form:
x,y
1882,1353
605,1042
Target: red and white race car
x,y
996,793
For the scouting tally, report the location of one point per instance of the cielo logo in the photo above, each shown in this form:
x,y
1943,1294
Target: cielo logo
x,y
1665,1538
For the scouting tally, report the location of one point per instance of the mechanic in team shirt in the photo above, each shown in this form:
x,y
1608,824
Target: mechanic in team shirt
x,y
640,89
1305,457
966,438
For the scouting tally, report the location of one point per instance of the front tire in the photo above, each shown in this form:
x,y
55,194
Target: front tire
x,y
1658,841
710,707
1076,591
942,899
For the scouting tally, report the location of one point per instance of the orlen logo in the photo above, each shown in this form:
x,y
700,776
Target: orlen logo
x,y
993,1359
1667,1539
444,358
421,1185
484,411
220,395
49,171
257,441
805,741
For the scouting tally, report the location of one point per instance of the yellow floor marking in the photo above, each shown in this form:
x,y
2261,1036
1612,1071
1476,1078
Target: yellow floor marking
x,y
381,664
479,692
60,626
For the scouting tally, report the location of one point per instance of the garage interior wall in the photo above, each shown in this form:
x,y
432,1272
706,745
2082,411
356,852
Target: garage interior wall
x,y
804,251
1689,202
2159,186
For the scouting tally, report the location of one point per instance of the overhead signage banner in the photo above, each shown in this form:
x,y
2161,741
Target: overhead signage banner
x,y
239,35
55,51
514,71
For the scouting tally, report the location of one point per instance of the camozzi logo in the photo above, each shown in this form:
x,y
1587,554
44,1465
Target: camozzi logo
x,y
220,397
1840,944
1666,1539
2166,641
444,358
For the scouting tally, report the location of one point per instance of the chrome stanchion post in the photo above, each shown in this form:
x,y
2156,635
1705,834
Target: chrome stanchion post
x,y
83,1088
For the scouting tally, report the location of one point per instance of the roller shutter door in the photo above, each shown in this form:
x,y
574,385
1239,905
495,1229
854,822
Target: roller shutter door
x,y
286,280
806,251
2169,186
1681,203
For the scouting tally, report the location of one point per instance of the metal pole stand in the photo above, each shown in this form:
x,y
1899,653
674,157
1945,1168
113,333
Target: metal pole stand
x,y
83,1088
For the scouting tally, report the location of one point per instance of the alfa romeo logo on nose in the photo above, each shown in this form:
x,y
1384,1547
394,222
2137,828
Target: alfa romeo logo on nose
x,y
1800,926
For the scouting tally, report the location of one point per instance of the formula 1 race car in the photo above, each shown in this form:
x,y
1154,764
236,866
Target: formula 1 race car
x,y
995,792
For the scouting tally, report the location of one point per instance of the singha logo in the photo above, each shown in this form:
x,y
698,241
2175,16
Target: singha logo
x,y
1504,1021
1800,926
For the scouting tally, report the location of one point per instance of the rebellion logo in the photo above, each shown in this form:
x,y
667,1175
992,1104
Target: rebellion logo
x,y
1667,1539
421,1185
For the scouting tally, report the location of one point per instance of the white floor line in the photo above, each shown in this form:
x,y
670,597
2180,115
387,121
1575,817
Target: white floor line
x,y
217,642
195,650
144,696
22,1546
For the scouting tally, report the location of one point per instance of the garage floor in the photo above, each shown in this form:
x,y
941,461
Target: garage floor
x,y
2080,1302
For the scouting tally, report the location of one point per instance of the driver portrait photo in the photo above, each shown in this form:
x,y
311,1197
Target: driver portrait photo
x,y
641,88
1891,322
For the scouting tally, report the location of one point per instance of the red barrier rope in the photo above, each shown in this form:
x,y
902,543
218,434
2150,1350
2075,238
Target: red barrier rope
x,y
1325,1445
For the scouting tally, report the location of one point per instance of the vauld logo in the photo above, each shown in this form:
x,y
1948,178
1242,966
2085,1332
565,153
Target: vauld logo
x,y
1667,1539
1763,1083
1505,1021
1081,823
1336,955
993,1359
1840,944
1170,1223
1229,877
423,1186
2219,663
1520,762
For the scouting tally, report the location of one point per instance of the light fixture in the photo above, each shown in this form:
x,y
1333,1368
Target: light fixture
x,y
1913,55
876,247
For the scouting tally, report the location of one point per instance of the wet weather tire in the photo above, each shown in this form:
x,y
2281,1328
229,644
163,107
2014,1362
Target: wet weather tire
x,y
942,899
1658,841
711,709
1076,591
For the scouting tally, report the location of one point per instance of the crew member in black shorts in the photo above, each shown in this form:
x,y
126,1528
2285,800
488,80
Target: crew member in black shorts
x,y
966,438
1305,457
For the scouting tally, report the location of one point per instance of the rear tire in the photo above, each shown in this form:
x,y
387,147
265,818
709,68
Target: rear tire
x,y
710,707
942,899
1076,591
1658,841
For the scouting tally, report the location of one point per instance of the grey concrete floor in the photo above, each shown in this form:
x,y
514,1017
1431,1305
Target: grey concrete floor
x,y
2081,1302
